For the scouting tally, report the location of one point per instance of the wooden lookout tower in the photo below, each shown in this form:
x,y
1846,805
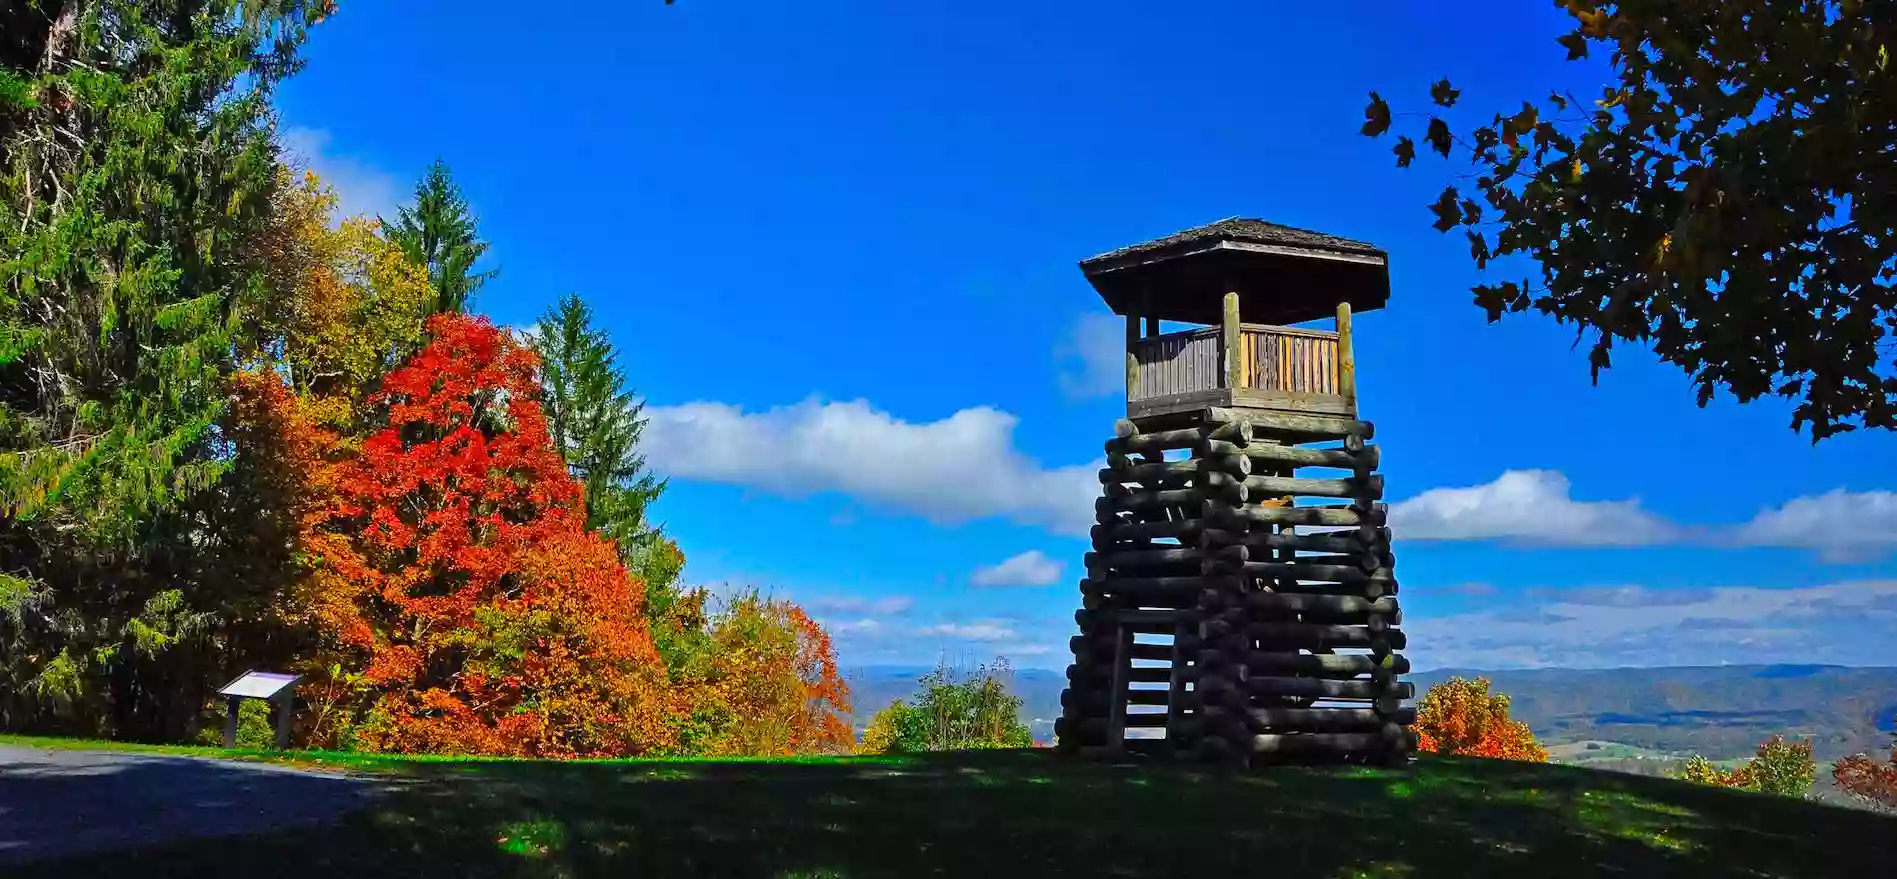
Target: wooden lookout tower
x,y
1240,602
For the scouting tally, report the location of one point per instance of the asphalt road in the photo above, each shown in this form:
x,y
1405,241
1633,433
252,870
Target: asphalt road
x,y
56,802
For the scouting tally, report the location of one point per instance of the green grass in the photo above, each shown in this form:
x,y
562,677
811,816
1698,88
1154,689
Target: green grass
x,y
1003,814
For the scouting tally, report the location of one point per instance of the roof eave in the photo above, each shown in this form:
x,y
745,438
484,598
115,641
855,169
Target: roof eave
x,y
1108,262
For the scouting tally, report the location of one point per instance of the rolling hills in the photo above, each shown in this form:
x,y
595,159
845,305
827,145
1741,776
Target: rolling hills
x,y
1719,711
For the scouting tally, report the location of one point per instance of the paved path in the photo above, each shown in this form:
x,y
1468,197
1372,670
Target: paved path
x,y
55,802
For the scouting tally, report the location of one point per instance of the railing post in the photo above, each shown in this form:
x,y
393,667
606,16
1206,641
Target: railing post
x,y
1132,361
1346,357
1230,369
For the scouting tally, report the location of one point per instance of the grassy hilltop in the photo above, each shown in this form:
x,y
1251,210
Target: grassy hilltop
x,y
1001,814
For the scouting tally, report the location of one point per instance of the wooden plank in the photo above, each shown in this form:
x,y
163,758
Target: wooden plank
x,y
1176,689
1174,404
1116,707
1292,401
1275,330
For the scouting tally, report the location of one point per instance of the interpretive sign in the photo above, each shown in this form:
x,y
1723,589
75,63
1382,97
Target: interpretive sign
x,y
277,689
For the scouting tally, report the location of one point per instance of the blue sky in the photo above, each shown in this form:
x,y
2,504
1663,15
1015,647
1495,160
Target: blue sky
x,y
836,242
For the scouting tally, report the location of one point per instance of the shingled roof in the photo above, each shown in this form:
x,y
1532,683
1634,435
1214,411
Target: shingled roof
x,y
1240,229
1283,275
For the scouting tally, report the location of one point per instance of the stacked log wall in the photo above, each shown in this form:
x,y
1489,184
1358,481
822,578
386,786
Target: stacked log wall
x,y
1285,642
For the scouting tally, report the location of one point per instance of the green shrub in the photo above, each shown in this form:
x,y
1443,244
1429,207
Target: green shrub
x,y
254,730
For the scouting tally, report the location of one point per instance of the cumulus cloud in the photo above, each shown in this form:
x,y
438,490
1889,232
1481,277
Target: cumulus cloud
x,y
1031,568
1527,506
1846,623
885,605
952,470
864,626
983,630
361,188
1840,525
1092,356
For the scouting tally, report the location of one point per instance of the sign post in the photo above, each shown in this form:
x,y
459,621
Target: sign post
x,y
277,689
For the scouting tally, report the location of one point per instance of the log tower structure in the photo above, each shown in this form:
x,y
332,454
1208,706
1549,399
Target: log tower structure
x,y
1240,604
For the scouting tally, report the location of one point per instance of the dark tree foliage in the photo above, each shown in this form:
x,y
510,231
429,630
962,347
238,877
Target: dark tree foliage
x,y
136,161
1727,201
596,421
438,232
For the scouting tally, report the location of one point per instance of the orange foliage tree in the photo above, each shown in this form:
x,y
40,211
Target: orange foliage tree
x,y
1869,779
464,605
1460,716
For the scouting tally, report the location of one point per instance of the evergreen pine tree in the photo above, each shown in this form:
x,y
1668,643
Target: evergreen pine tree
x,y
136,163
596,422
438,232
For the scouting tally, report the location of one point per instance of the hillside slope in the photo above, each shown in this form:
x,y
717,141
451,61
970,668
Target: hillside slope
x,y
1720,711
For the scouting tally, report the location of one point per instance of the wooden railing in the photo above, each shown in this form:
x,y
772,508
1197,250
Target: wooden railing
x,y
1175,363
1285,359
1279,359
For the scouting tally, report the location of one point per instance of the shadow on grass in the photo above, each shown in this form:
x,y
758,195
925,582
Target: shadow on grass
x,y
1003,814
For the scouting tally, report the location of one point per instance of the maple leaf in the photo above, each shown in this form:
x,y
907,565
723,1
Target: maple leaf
x,y
1443,94
1376,116
1405,151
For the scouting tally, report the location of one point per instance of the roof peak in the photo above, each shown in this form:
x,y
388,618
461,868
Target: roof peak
x,y
1240,228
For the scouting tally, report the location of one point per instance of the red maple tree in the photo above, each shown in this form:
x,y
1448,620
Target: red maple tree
x,y
1871,779
467,607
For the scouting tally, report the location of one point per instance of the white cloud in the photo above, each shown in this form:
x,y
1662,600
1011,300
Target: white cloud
x,y
864,626
986,630
1031,568
956,469
1092,356
855,604
1839,525
1527,506
361,188
1847,623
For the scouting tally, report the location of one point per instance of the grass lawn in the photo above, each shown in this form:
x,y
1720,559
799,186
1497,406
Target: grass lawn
x,y
1004,814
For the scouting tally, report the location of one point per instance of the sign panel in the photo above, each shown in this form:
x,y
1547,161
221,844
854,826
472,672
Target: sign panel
x,y
259,685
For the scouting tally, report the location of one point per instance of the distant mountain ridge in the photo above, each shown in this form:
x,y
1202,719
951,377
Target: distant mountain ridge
x,y
1718,711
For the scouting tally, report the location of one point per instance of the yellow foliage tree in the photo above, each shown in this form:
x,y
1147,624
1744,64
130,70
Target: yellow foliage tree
x,y
1460,716
348,305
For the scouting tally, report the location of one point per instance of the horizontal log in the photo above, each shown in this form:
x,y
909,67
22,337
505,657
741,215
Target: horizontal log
x,y
1224,516
1135,558
1160,441
1132,501
1335,665
1143,585
1315,635
1238,432
1096,727
1096,701
1368,488
1343,542
1120,468
1159,652
1322,607
1153,622
1117,532
1326,719
1274,455
1326,426
1139,674
1300,570
1338,744
1319,688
